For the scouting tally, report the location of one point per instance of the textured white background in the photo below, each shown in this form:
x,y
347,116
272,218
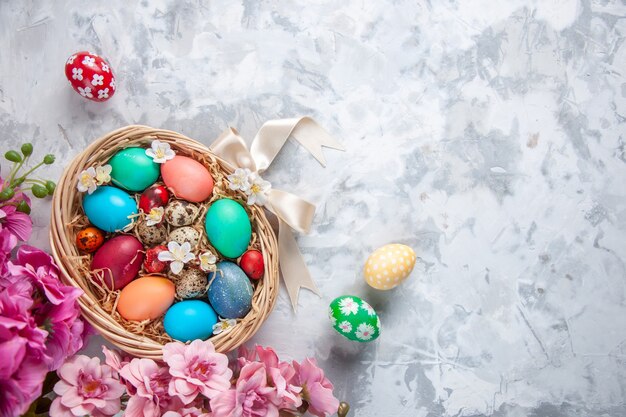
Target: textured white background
x,y
488,135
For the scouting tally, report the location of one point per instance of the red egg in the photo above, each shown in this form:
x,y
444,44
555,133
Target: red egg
x,y
252,264
90,76
154,196
119,260
152,264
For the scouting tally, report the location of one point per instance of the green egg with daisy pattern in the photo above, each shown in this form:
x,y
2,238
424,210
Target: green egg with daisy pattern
x,y
354,318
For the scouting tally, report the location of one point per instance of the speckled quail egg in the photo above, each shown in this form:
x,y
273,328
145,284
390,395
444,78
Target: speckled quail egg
x,y
151,235
181,213
185,234
191,283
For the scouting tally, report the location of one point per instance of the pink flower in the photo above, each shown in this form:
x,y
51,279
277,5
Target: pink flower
x,y
17,223
196,369
316,389
22,388
39,267
149,394
7,242
280,375
57,312
19,334
86,387
251,397
188,412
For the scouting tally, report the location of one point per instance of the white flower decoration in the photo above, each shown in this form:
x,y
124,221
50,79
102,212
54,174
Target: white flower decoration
x,y
348,306
71,59
112,84
258,190
105,67
345,326
178,255
160,152
87,181
365,306
77,74
331,316
103,93
97,79
85,92
364,331
90,61
155,216
207,259
103,174
224,325
239,180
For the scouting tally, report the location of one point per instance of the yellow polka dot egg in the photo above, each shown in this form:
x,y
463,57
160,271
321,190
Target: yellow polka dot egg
x,y
389,265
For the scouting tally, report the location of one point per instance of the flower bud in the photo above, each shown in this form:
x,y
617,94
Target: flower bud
x,y
48,159
13,156
27,149
39,191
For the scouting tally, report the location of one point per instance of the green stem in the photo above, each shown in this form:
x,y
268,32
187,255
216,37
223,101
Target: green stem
x,y
17,168
33,181
32,169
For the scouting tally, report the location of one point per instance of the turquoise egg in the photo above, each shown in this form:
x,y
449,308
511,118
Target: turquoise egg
x,y
133,170
108,208
230,291
228,227
189,320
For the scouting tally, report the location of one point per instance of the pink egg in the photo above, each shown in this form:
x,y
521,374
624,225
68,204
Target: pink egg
x,y
119,260
188,179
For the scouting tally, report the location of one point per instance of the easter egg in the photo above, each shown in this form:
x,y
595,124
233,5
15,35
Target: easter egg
x,y
90,76
354,318
119,260
185,234
145,298
180,213
228,227
133,170
109,208
189,320
188,178
388,266
152,264
89,239
191,283
252,264
151,235
153,196
230,291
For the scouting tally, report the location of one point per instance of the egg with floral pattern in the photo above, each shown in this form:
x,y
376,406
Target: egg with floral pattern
x,y
90,76
354,318
389,266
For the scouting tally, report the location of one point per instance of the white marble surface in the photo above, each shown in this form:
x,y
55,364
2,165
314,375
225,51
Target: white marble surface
x,y
488,135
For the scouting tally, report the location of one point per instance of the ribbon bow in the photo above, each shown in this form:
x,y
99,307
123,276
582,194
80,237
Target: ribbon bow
x,y
292,211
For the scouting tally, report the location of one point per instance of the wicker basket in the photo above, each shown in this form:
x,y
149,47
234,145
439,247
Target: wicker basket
x,y
66,221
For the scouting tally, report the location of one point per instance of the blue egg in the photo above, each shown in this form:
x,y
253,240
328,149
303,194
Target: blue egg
x,y
189,320
108,208
230,293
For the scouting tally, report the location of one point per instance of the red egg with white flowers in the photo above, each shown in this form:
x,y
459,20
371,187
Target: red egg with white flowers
x,y
90,75
252,264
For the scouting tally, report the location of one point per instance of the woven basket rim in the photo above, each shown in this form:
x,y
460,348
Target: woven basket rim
x,y
62,241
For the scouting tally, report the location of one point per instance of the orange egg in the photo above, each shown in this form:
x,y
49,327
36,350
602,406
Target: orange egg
x,y
146,298
188,178
89,239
